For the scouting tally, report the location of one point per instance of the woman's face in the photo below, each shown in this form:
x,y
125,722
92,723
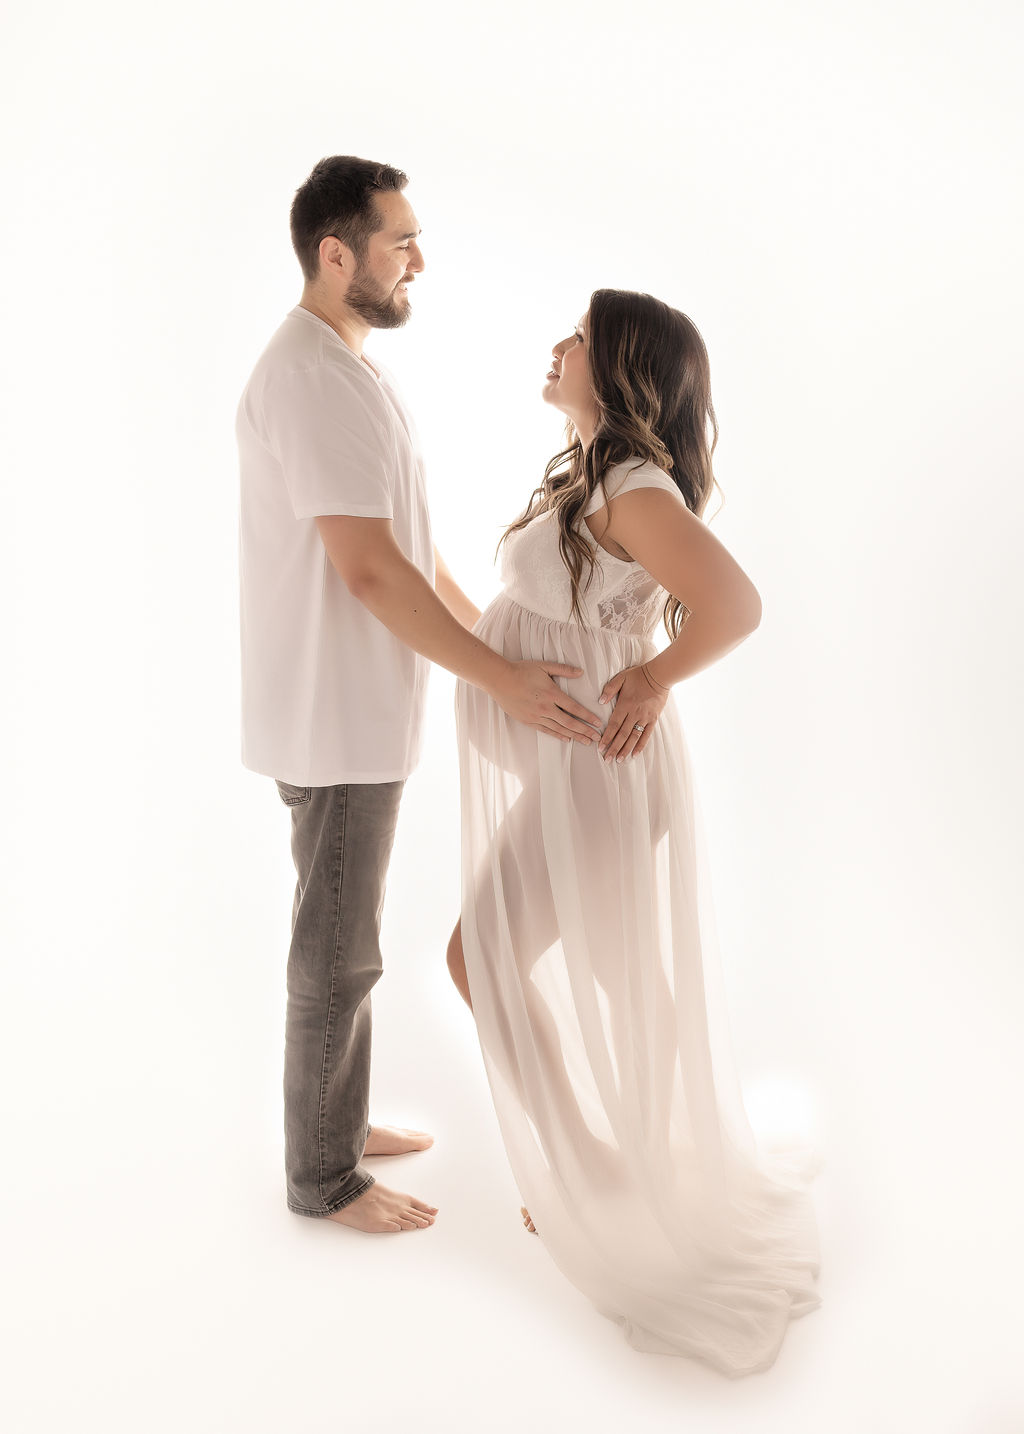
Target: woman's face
x,y
568,380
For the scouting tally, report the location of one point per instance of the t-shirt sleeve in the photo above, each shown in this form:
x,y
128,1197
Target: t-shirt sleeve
x,y
626,478
333,449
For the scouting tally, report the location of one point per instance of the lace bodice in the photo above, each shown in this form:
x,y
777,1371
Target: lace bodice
x,y
622,596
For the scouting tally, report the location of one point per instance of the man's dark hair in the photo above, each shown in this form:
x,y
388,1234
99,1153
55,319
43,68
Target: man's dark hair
x,y
337,199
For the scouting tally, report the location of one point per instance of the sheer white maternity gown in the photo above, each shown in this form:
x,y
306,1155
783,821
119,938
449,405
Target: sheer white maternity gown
x,y
590,956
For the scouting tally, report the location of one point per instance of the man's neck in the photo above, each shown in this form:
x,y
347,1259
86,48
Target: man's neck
x,y
334,312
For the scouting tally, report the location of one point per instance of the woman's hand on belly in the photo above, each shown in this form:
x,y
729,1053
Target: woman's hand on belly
x,y
639,702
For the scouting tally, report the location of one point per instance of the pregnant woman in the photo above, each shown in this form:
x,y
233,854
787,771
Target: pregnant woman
x,y
585,946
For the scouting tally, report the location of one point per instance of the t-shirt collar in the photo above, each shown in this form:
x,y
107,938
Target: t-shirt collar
x,y
365,362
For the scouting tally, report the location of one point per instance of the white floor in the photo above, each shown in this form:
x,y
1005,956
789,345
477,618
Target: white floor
x,y
156,1282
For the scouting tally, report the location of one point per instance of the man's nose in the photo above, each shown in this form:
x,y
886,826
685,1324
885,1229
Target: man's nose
x,y
416,259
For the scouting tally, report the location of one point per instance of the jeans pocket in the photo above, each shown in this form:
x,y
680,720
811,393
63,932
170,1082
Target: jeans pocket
x,y
294,796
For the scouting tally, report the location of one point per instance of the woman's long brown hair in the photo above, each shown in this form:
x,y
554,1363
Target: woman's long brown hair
x,y
649,371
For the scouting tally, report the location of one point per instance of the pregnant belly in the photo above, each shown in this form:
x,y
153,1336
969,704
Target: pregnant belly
x,y
521,635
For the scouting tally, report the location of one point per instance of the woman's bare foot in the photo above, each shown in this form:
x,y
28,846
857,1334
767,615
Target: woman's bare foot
x,y
380,1211
395,1140
527,1221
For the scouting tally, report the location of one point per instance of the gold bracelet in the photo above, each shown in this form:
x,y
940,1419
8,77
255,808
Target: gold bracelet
x,y
652,680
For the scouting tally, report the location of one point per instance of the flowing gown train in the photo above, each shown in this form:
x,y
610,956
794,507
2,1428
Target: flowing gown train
x,y
590,955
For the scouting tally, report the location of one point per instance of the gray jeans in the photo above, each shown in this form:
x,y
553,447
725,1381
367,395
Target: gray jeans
x,y
341,845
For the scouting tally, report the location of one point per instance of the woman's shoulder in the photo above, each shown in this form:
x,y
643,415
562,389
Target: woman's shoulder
x,y
624,477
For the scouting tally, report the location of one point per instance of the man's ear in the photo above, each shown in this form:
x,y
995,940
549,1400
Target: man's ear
x,y
336,258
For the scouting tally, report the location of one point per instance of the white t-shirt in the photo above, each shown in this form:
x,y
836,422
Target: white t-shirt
x,y
329,695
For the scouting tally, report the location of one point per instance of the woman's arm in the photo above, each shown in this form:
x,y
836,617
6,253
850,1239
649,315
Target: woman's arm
x,y
454,599
659,532
663,536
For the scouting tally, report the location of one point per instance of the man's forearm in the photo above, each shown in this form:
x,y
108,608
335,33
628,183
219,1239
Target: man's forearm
x,y
375,570
400,597
462,608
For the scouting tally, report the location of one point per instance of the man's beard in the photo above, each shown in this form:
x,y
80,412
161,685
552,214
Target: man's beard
x,y
379,310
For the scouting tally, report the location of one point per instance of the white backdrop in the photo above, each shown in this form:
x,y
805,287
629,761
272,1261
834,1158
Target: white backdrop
x,y
832,193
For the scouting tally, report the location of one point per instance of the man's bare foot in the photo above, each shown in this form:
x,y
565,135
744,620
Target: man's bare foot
x,y
380,1211
395,1140
527,1221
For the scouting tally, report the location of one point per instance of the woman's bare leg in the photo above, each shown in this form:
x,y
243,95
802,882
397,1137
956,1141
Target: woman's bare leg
x,y
457,964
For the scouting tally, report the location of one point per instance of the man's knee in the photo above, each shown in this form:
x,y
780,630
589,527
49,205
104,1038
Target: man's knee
x,y
355,979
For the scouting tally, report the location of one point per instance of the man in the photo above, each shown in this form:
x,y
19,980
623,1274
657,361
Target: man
x,y
344,603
